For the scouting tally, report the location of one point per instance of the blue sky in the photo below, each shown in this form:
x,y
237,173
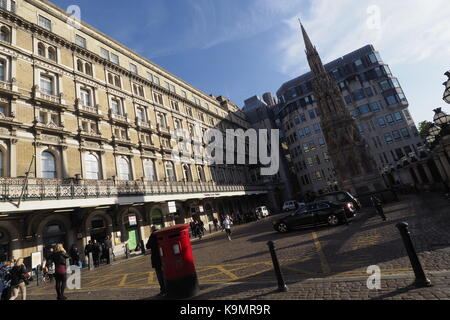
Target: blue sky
x,y
239,48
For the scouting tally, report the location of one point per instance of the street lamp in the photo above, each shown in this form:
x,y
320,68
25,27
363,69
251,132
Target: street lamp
x,y
440,117
447,88
434,131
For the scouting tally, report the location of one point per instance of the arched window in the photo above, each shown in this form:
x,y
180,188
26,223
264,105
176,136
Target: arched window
x,y
52,53
80,65
187,173
41,49
201,173
5,34
170,172
149,170
48,165
123,166
88,69
92,167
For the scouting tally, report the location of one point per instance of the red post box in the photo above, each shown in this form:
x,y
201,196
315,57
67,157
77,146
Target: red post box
x,y
178,262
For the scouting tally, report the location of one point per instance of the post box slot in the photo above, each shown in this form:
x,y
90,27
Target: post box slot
x,y
175,235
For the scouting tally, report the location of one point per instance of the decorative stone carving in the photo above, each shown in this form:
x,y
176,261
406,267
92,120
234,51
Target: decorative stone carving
x,y
348,151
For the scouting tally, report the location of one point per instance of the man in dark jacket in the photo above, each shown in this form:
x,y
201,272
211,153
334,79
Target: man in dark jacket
x,y
96,253
152,244
74,255
378,205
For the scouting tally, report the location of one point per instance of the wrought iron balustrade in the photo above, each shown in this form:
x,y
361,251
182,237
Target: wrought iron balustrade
x,y
58,189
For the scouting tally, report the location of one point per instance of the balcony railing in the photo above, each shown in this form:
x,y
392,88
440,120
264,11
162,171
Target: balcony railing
x,y
144,124
56,189
6,85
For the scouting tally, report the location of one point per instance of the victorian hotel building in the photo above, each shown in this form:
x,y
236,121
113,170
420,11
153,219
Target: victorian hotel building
x,y
87,129
377,102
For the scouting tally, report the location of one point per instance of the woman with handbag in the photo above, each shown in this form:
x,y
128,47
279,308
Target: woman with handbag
x,y
19,280
59,257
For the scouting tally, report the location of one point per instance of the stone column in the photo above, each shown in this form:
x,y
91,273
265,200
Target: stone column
x,y
428,173
445,164
418,176
444,175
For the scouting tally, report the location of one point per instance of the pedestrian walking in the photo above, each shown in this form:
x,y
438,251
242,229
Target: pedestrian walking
x,y
152,245
88,249
200,229
96,253
49,267
378,205
227,223
108,245
216,224
75,255
193,226
5,280
19,280
59,257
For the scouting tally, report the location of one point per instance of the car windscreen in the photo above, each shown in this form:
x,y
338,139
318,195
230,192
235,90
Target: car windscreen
x,y
328,197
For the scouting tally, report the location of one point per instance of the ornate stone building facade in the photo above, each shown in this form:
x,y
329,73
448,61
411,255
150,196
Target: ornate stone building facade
x,y
87,130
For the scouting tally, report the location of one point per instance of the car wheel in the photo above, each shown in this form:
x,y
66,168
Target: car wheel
x,y
282,227
333,220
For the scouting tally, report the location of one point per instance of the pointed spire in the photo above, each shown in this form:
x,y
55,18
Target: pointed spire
x,y
308,44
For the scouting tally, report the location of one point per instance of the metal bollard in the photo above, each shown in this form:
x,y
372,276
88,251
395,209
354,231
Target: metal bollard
x,y
90,261
110,255
68,269
38,275
281,284
421,278
127,252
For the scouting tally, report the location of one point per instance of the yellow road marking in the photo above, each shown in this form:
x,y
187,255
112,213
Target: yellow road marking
x,y
228,273
124,280
151,277
323,259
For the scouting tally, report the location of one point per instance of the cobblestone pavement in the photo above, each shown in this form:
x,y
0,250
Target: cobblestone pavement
x,y
320,263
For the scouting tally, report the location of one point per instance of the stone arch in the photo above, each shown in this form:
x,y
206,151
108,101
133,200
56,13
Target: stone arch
x,y
10,242
63,220
156,217
87,223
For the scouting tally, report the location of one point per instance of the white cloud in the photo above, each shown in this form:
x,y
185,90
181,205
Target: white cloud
x,y
409,31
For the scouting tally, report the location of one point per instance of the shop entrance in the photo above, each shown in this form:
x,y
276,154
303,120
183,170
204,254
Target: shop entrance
x,y
132,229
98,229
157,219
53,234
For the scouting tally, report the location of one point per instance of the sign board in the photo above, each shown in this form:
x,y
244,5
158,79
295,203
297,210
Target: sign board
x,y
36,259
201,209
172,207
132,220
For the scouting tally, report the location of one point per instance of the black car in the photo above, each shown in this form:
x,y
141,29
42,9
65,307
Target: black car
x,y
341,197
317,213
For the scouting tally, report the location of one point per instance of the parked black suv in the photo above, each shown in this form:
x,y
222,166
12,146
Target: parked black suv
x,y
341,197
317,213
